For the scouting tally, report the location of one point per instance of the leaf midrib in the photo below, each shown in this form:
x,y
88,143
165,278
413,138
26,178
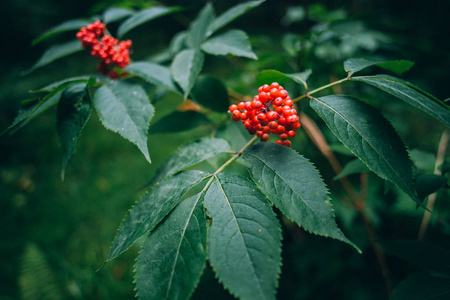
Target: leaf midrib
x,y
379,154
183,236
293,191
242,237
124,109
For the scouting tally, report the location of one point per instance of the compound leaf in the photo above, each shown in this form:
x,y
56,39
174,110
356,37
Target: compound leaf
x,y
186,67
191,154
173,256
370,137
231,14
234,42
143,17
244,237
410,94
125,109
74,109
152,207
294,185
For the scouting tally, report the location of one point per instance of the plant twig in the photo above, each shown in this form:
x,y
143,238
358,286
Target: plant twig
x,y
440,156
306,95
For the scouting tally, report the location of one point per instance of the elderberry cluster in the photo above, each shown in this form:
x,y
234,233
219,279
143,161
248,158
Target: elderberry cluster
x,y
270,112
111,52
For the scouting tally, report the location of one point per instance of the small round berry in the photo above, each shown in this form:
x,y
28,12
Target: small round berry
x,y
292,119
289,102
233,107
263,96
236,115
278,101
275,85
256,104
283,136
273,125
265,137
287,143
279,142
241,106
283,94
248,105
280,129
271,115
291,133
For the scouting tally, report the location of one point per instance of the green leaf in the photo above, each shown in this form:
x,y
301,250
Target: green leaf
x,y
269,76
398,67
152,207
294,185
125,109
114,14
191,154
244,237
370,137
422,287
186,67
173,256
154,74
180,121
197,31
211,93
234,42
50,87
37,106
144,17
74,109
424,254
353,167
61,28
231,14
410,94
56,52
428,184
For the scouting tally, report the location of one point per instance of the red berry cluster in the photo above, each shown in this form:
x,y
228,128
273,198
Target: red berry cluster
x,y
270,112
111,52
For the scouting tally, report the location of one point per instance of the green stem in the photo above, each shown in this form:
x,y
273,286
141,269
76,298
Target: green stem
x,y
235,156
320,89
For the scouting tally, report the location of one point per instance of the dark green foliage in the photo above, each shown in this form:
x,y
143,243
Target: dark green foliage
x,y
219,203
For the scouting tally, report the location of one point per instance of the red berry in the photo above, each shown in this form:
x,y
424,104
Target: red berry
x,y
291,133
233,107
287,143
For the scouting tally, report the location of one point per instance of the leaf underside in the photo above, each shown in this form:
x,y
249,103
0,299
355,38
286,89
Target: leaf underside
x,y
74,109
